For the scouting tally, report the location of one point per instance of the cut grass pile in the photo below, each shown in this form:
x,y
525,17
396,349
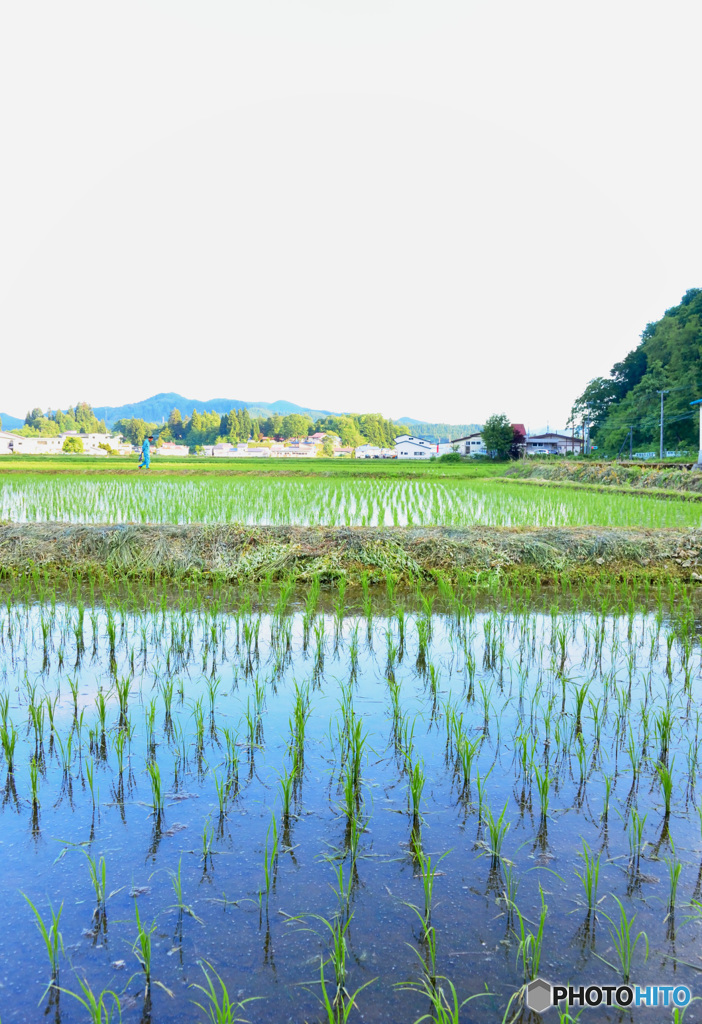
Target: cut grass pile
x,y
239,554
610,474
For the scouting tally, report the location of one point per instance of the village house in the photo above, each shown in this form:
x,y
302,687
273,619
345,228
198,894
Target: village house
x,y
374,451
553,443
91,442
295,450
17,443
409,447
471,444
7,442
171,448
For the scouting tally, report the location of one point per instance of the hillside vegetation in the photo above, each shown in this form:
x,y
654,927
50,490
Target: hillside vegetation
x,y
668,358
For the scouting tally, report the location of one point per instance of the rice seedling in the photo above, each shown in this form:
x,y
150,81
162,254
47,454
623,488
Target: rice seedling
x,y
417,780
65,752
213,686
590,874
98,876
625,942
344,888
150,727
90,775
141,946
302,709
427,872
219,1007
665,774
467,752
157,794
480,786
338,928
177,883
207,840
635,830
34,781
674,868
122,686
51,709
664,729
357,741
53,940
531,943
497,830
8,738
338,1012
543,783
286,782
36,717
101,705
607,783
101,1008
270,856
441,995
120,739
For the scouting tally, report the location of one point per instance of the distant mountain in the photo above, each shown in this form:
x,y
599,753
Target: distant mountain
x,y
284,408
157,408
10,422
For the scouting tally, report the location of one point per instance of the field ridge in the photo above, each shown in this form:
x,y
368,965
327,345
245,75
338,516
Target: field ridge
x,y
250,553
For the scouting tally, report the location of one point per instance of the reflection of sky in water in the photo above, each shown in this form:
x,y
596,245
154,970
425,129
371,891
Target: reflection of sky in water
x,y
518,669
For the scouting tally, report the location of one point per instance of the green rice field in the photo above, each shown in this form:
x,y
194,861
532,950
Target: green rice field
x,y
317,807
303,501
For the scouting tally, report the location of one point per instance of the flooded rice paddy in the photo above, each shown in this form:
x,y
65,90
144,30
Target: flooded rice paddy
x,y
310,795
309,501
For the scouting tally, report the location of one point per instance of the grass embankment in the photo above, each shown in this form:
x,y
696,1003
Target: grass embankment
x,y
610,474
241,554
82,465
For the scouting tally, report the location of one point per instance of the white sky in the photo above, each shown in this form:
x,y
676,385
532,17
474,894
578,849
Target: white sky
x,y
433,209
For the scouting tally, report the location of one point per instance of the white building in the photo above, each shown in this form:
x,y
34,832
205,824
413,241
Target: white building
x,y
8,442
553,443
171,448
300,450
471,444
409,447
374,451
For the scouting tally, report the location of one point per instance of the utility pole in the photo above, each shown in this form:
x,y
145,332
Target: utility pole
x,y
662,393
698,401
631,438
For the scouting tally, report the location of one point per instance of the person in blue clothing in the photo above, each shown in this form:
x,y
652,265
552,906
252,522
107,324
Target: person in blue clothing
x,y
145,460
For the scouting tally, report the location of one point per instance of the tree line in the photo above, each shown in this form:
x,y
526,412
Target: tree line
x,y
54,422
238,425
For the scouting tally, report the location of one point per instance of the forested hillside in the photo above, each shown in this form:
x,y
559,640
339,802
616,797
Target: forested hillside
x,y
668,358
